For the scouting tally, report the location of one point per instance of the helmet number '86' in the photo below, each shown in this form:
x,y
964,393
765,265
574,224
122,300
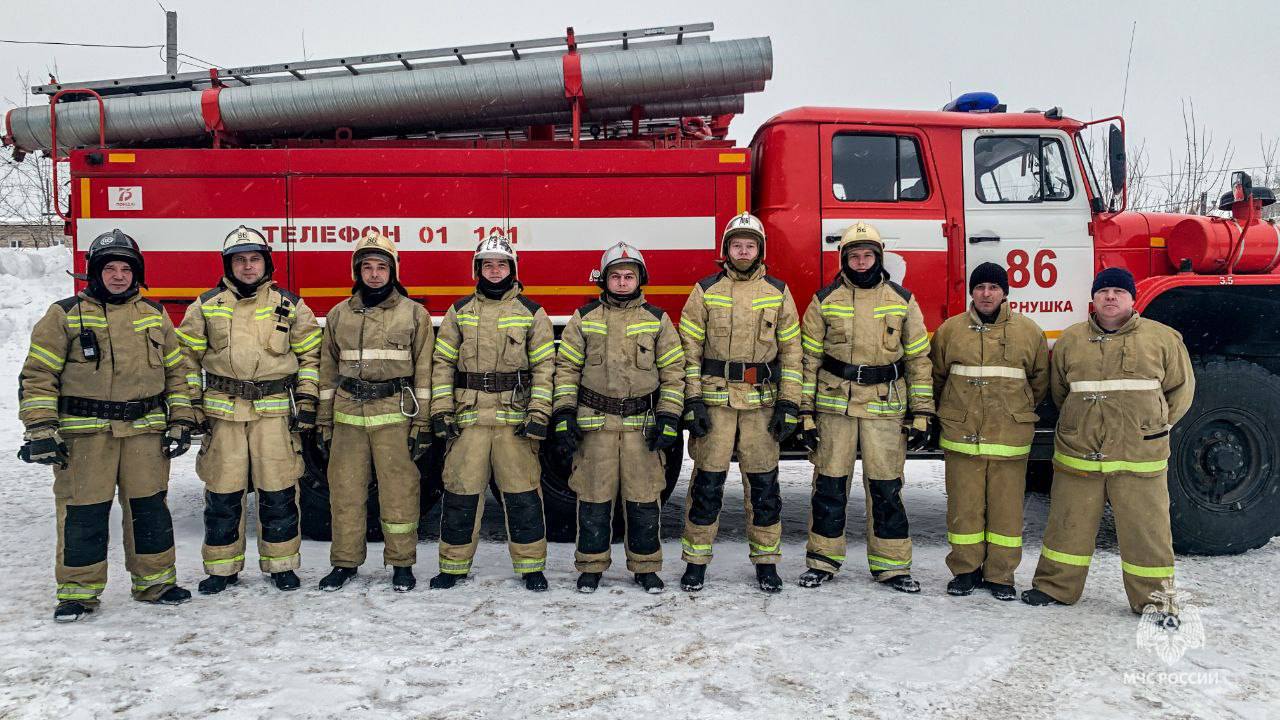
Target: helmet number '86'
x,y
1020,275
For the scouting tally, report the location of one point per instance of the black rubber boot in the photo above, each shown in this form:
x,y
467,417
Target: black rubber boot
x,y
1002,592
767,578
965,583
336,578
215,584
694,578
174,595
813,577
535,582
1038,598
444,581
903,583
402,579
71,611
285,581
651,583
588,582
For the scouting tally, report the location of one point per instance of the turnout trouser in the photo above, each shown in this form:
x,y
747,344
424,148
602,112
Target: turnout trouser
x,y
984,515
262,452
82,497
481,452
607,462
355,453
1141,509
884,455
747,432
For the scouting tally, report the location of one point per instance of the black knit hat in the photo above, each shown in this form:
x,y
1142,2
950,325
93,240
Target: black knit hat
x,y
989,272
1114,277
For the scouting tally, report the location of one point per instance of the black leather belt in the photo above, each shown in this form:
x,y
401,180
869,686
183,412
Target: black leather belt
x,y
744,372
864,374
373,389
248,389
613,405
109,409
492,382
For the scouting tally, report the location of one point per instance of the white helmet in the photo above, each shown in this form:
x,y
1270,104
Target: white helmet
x,y
494,247
743,224
617,255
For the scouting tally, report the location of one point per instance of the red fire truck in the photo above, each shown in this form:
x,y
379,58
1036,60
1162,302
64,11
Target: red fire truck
x,y
630,142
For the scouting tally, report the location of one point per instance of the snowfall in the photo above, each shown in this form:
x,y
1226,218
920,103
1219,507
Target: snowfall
x,y
490,649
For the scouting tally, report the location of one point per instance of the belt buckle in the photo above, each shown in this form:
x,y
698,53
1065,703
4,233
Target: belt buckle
x,y
857,377
251,390
488,382
129,407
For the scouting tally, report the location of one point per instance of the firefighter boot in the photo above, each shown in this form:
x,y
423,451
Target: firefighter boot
x,y
1039,597
767,578
402,579
813,577
336,578
535,581
965,583
286,580
588,582
1002,592
174,595
903,583
71,611
694,577
651,583
444,581
215,584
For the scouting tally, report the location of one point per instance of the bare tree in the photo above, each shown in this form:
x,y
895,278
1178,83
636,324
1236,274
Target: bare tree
x,y
1270,176
27,194
1199,172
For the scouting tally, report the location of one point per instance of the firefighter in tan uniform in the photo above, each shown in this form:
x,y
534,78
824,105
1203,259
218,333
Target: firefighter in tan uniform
x,y
616,354
259,348
104,376
491,400
741,336
375,385
1121,383
990,370
867,387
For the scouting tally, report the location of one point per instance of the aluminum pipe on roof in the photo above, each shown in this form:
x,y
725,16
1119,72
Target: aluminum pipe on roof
x,y
457,97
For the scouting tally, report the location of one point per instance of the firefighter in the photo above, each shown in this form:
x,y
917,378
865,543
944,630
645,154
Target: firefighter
x,y
1121,382
616,354
103,376
741,335
375,383
259,347
867,387
491,400
990,370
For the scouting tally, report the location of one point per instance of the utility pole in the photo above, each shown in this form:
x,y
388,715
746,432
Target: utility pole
x,y
171,42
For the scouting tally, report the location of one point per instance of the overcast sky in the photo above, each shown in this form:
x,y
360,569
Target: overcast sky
x,y
913,55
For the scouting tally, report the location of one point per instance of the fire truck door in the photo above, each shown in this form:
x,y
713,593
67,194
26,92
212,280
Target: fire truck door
x,y
1026,208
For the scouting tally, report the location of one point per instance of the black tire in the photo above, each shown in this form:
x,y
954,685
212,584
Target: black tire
x,y
1224,479
313,492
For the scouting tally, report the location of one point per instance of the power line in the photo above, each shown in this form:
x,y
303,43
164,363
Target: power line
x,y
206,62
72,44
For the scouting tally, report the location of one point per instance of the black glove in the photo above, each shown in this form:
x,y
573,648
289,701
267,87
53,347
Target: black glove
x,y
808,435
304,418
785,420
444,426
420,441
534,427
565,432
696,419
176,439
919,431
45,446
664,434
322,439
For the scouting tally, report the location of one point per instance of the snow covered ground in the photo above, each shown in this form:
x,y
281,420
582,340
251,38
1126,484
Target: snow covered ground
x,y
491,649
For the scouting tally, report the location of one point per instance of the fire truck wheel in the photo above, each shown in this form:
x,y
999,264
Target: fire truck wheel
x,y
1224,479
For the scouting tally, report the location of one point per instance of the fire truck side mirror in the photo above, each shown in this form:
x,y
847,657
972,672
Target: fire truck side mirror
x,y
1116,158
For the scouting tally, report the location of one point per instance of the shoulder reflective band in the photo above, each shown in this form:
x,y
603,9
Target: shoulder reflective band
x,y
379,354
989,371
1108,385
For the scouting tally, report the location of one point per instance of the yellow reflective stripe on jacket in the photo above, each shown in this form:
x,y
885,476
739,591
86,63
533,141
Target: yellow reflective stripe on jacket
x,y
262,313
885,407
468,319
984,448
310,341
178,400
717,300
72,422
375,354
441,390
792,375
47,357
173,358
1150,572
921,390
515,321
836,310
965,538
149,321
219,311
86,321
542,352
511,417
651,326
692,329
831,402
44,402
812,346
917,346
150,420
271,404
768,301
1011,541
565,390
599,328
309,374
675,354
194,343
1107,466
789,333
1114,385
1066,558
369,421
988,371
446,349
540,393
809,388
692,371
571,353
219,405
886,310
591,422
674,396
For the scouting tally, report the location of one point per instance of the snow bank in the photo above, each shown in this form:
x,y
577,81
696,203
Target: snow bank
x,y
30,280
